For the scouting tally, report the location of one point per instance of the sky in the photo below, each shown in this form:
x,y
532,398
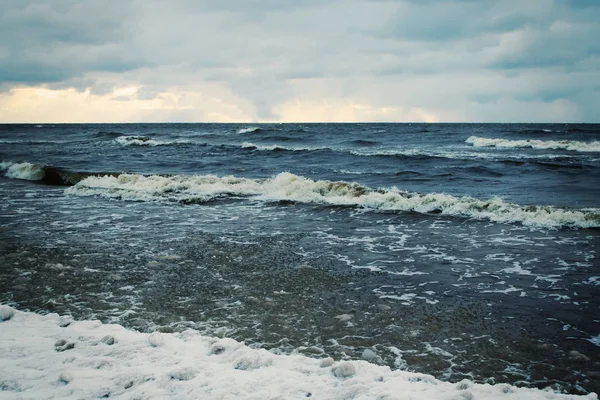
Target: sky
x,y
299,61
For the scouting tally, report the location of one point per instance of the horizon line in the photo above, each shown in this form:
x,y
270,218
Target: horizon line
x,y
296,122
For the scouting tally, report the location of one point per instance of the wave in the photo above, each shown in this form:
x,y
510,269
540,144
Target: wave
x,y
25,141
414,154
585,129
25,171
249,129
288,187
274,147
539,131
252,146
536,144
281,138
46,174
108,133
271,128
147,141
363,142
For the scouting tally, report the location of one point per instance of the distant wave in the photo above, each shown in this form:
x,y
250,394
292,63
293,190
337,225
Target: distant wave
x,y
274,147
363,142
536,144
21,141
288,187
584,129
537,131
272,128
147,141
402,154
281,138
249,129
108,133
252,146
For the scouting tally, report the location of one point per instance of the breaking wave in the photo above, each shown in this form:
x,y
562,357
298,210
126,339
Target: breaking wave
x,y
46,174
147,141
25,171
536,144
275,147
288,187
249,129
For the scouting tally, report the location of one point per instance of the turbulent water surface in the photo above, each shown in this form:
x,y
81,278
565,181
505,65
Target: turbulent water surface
x,y
459,250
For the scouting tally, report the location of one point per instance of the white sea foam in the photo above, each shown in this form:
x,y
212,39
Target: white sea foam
x,y
26,171
274,147
395,152
42,357
249,129
289,187
248,145
162,188
146,141
536,144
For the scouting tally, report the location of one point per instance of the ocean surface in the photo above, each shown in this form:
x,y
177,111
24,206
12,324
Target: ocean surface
x,y
464,251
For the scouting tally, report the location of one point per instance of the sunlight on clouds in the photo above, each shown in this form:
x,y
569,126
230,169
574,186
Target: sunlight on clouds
x,y
27,104
348,111
126,91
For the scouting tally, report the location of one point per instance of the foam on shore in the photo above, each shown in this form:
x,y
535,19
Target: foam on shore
x,y
52,357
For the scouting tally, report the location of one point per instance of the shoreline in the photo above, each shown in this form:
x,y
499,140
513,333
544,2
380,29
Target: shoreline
x,y
52,356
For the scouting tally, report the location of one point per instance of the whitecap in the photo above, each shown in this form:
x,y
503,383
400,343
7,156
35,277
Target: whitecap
x,y
248,145
289,187
147,141
536,144
275,147
249,129
26,171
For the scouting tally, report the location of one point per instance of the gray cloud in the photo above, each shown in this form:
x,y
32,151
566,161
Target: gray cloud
x,y
269,52
54,41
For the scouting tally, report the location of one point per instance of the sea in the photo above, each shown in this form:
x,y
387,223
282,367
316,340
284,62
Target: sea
x,y
464,251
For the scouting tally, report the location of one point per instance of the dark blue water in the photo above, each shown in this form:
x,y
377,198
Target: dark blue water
x,y
460,250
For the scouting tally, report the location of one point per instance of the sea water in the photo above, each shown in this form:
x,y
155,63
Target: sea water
x,y
464,251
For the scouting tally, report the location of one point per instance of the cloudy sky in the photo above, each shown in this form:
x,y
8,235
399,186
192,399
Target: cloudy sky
x,y
299,60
